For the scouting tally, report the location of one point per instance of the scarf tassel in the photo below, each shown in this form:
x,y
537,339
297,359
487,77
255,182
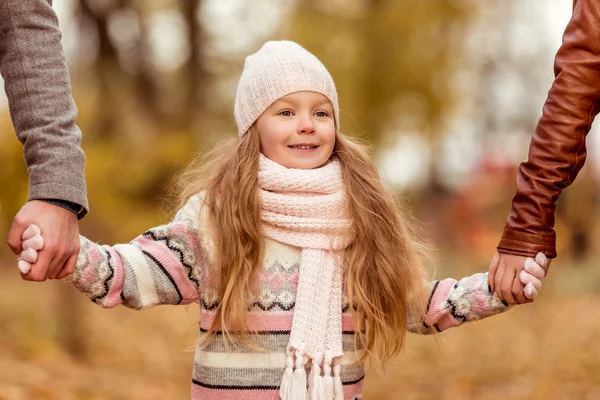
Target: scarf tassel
x,y
315,385
328,389
293,384
298,387
337,381
286,381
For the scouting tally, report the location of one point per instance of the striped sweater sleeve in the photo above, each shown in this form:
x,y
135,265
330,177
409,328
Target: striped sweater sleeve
x,y
164,265
451,303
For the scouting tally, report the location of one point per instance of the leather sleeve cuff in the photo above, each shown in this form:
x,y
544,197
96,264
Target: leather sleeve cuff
x,y
75,208
523,245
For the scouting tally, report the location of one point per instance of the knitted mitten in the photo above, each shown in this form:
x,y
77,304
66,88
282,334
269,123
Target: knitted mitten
x,y
532,274
32,243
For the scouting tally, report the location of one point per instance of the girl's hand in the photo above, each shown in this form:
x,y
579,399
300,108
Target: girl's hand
x,y
32,243
532,274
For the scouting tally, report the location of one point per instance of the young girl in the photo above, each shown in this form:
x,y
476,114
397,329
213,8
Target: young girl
x,y
301,262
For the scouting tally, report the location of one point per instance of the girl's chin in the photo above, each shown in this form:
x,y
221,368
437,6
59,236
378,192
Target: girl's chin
x,y
299,161
303,164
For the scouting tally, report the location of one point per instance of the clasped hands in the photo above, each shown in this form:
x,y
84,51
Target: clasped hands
x,y
517,279
501,279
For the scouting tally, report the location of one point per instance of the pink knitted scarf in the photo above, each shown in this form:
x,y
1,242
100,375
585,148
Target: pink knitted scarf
x,y
308,209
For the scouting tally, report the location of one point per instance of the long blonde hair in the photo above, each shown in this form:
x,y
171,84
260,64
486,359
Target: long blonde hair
x,y
383,264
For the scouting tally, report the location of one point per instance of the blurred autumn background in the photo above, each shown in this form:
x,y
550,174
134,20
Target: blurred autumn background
x,y
447,91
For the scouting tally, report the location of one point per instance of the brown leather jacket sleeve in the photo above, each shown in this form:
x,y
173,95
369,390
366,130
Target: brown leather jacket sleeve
x,y
557,150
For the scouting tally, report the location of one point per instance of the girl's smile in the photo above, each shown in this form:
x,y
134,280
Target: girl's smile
x,y
304,147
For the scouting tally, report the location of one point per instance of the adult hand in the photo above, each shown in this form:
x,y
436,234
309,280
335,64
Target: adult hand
x,y
504,277
61,239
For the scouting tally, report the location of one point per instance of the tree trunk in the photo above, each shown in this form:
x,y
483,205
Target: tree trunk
x,y
196,76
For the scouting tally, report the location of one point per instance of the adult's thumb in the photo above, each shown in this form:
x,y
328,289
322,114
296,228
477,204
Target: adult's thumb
x,y
14,237
492,270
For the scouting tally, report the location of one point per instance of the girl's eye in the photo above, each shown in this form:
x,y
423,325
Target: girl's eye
x,y
321,114
285,113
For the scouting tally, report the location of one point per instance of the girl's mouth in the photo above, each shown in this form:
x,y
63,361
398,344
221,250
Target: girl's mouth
x,y
304,147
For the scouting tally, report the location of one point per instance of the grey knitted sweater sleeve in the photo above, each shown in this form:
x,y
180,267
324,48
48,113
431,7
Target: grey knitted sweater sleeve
x,y
38,87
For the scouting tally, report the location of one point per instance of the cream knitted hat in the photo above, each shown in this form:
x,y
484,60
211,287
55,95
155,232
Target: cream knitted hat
x,y
276,70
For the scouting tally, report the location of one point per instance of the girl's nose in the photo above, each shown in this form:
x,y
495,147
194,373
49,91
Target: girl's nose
x,y
306,126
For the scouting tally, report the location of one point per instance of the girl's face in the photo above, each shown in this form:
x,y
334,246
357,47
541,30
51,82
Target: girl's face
x,y
298,130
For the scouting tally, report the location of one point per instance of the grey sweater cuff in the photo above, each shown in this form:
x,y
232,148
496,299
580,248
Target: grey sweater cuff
x,y
75,192
75,208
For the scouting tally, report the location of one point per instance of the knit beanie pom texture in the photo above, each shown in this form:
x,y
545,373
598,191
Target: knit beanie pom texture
x,y
279,68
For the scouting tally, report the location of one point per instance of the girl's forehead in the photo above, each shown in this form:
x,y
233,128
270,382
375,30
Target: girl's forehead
x,y
304,97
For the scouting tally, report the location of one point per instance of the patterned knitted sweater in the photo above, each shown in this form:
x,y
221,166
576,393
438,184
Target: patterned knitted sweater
x,y
169,265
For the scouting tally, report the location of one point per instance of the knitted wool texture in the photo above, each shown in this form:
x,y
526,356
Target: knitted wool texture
x,y
276,70
308,209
